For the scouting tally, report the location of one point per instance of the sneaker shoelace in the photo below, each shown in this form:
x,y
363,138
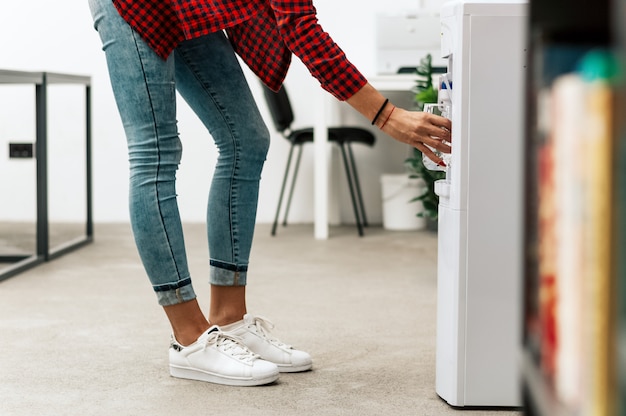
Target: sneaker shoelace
x,y
263,327
231,345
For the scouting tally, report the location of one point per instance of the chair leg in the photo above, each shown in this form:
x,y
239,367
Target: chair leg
x,y
346,163
282,190
357,185
293,184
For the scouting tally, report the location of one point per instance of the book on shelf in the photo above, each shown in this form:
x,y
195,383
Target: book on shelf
x,y
597,70
575,250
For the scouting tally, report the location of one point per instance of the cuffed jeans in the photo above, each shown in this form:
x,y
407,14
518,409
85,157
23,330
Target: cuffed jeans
x,y
207,74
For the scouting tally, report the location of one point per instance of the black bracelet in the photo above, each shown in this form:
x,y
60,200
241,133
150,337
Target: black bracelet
x,y
382,107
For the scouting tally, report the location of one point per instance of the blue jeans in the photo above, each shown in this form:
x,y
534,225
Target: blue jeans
x,y
207,74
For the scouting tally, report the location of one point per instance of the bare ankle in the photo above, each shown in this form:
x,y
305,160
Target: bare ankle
x,y
227,319
188,336
228,304
187,321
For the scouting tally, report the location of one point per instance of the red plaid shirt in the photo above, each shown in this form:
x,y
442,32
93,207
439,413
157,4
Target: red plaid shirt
x,y
263,32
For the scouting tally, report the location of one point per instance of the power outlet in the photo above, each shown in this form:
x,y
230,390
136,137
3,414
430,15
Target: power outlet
x,y
20,150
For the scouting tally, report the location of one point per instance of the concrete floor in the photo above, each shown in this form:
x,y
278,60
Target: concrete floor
x,y
83,335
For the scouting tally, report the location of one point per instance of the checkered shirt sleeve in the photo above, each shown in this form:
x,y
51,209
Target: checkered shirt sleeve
x,y
298,24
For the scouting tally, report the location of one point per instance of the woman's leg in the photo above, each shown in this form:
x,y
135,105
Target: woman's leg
x,y
144,90
143,85
209,78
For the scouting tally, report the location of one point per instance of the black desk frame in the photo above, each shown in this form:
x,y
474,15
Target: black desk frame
x,y
43,253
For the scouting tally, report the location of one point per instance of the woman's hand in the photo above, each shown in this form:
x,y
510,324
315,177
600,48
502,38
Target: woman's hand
x,y
417,129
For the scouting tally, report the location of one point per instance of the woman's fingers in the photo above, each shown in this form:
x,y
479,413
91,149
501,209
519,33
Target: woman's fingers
x,y
430,154
438,144
439,127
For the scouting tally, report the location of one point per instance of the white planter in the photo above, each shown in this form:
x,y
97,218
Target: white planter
x,y
398,212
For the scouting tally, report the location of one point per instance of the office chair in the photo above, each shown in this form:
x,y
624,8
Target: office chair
x,y
282,115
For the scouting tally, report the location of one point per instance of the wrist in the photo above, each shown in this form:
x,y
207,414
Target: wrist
x,y
385,116
377,117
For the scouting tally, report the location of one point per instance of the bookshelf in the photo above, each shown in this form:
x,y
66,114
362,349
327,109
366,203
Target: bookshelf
x,y
574,350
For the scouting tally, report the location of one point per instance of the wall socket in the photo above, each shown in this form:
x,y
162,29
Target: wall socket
x,y
21,150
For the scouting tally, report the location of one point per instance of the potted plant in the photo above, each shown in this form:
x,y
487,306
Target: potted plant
x,y
425,93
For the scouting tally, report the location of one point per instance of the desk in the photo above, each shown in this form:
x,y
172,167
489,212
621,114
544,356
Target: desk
x,y
43,252
325,104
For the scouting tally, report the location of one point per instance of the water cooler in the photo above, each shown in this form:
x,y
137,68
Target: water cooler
x,y
480,206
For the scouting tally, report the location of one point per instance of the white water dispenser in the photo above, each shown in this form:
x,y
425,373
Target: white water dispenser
x,y
480,205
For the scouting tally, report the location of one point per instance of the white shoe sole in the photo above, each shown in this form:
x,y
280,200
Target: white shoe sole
x,y
292,369
195,374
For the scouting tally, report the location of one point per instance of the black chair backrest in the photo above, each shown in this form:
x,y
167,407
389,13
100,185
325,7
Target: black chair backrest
x,y
279,106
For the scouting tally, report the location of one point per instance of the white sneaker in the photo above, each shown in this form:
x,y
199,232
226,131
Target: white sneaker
x,y
220,358
254,332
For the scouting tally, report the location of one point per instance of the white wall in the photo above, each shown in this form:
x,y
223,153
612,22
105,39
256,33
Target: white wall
x,y
39,35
